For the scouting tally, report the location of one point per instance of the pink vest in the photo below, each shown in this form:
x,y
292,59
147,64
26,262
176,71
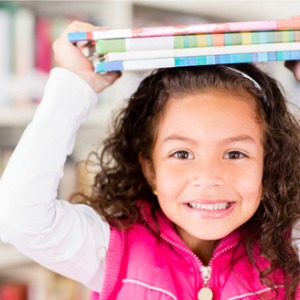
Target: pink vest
x,y
145,264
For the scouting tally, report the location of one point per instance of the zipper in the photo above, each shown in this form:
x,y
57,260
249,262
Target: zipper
x,y
205,272
205,293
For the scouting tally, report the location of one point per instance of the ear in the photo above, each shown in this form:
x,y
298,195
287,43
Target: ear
x,y
148,170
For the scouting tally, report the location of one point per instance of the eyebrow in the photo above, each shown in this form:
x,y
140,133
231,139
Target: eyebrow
x,y
235,139
241,138
175,137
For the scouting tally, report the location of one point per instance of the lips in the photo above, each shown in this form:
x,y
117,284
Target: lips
x,y
210,209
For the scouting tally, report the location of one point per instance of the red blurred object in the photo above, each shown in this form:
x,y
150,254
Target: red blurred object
x,y
13,291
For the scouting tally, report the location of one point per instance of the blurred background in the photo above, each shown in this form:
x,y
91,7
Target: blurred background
x,y
27,30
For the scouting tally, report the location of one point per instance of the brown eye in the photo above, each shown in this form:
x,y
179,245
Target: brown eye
x,y
235,155
182,155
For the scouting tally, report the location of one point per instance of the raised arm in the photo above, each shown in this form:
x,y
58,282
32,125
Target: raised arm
x,y
69,239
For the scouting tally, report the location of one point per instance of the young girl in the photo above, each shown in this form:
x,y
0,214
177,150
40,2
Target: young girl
x,y
198,193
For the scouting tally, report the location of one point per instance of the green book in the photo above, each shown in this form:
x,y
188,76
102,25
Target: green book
x,y
104,46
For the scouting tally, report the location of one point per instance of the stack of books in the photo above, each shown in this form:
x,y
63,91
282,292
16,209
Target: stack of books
x,y
192,45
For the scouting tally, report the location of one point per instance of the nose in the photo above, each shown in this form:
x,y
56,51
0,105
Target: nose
x,y
207,174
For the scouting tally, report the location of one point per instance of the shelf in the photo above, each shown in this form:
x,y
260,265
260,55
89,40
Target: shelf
x,y
16,116
22,116
18,271
12,257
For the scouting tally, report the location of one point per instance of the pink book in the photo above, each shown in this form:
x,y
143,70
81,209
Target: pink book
x,y
43,44
185,29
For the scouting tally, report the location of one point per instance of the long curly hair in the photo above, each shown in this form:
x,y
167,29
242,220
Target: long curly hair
x,y
120,183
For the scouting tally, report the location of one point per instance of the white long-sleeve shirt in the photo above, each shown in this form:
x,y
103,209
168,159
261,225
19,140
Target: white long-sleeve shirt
x,y
69,239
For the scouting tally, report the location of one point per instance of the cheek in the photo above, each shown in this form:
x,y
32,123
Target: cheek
x,y
249,184
169,184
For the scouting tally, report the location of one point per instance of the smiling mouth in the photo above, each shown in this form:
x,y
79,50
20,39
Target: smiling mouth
x,y
210,207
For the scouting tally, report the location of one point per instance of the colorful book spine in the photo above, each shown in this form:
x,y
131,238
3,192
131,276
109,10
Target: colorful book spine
x,y
165,53
43,44
185,29
198,40
147,64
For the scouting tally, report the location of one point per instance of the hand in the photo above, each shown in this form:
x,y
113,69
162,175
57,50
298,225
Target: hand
x,y
68,56
294,67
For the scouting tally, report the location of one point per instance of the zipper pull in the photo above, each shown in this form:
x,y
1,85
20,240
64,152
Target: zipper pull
x,y
205,293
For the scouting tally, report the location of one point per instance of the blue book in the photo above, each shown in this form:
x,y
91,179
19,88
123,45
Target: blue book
x,y
146,64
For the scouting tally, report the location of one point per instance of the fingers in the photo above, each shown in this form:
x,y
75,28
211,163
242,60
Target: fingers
x,y
105,80
69,56
62,40
77,26
294,65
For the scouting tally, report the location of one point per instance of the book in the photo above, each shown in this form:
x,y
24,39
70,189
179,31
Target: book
x,y
185,29
166,53
24,61
103,46
13,291
43,44
146,64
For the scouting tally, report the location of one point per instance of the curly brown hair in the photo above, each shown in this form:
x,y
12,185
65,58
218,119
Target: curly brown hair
x,y
120,182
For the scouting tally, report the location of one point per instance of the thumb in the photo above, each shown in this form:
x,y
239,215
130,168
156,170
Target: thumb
x,y
105,80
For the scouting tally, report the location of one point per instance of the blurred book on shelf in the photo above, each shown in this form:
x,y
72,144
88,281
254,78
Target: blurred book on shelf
x,y
23,279
26,55
11,290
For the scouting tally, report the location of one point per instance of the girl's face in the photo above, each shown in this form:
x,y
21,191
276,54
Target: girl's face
x,y
207,164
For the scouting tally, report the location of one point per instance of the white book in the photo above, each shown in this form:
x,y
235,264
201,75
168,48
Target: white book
x,y
24,53
138,44
24,39
5,56
148,64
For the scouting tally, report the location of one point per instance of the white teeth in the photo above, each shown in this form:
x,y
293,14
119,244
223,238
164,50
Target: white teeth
x,y
215,206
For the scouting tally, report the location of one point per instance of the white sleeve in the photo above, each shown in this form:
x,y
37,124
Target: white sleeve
x,y
296,237
69,239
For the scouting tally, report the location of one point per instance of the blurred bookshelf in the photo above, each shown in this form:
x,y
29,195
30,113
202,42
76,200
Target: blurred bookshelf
x,y
28,29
